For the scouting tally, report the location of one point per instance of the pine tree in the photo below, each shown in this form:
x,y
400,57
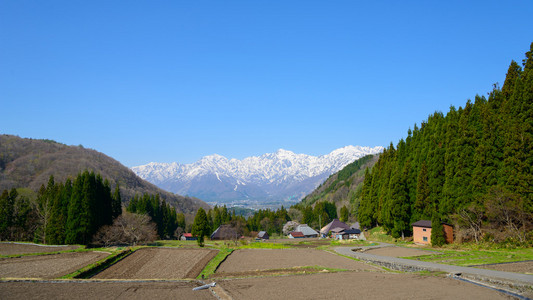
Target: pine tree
x,y
437,232
200,227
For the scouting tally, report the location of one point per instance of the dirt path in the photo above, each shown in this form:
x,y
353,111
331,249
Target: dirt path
x,y
22,248
47,266
355,285
160,263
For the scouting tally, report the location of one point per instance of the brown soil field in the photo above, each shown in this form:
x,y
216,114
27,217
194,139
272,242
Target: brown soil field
x,y
398,252
247,261
355,285
160,263
525,267
13,249
102,290
47,266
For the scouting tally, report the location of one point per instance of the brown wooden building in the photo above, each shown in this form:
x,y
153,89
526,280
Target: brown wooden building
x,y
422,232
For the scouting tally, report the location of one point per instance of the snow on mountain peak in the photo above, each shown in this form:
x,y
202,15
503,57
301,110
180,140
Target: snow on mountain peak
x,y
281,168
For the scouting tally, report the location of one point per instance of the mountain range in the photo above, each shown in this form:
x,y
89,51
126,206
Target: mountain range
x,y
279,177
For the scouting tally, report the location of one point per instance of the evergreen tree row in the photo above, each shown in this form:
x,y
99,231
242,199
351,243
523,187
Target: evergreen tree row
x,y
63,213
458,164
71,212
161,213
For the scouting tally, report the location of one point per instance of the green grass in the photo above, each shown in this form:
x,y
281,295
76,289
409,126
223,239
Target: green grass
x,y
471,257
213,264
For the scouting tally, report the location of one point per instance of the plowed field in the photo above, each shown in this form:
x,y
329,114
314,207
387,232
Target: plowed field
x,y
160,263
13,248
47,266
102,290
355,285
257,260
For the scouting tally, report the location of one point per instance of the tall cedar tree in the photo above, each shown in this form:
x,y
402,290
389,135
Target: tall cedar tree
x,y
200,227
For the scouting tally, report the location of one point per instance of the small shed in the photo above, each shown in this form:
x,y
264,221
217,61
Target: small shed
x,y
188,237
262,235
296,235
422,232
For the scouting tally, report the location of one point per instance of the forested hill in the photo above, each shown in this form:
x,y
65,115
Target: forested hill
x,y
343,187
28,163
472,167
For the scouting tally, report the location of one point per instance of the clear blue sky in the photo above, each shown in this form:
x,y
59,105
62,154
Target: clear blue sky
x,y
177,80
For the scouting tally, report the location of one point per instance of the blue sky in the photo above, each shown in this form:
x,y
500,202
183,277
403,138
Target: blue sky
x,y
171,81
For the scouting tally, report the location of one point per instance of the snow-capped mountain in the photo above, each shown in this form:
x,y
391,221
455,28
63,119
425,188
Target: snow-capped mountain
x,y
278,176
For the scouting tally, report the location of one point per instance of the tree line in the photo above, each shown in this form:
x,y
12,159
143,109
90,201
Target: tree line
x,y
63,213
161,213
471,167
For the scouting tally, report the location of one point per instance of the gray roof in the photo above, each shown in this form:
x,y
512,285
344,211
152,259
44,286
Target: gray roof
x,y
262,234
306,230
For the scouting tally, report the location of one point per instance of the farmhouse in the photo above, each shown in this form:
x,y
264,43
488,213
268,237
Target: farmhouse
x,y
187,237
422,232
262,235
296,235
307,231
333,225
348,234
225,232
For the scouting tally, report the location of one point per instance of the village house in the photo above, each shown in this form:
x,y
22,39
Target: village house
x,y
225,232
262,235
188,237
348,234
307,231
296,235
333,225
422,232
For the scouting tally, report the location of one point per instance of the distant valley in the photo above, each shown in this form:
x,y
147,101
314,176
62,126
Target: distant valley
x,y
266,181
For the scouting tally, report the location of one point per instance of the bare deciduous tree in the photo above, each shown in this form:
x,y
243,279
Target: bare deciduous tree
x,y
127,229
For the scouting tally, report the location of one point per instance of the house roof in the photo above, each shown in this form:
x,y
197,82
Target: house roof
x,y
187,234
262,234
333,224
306,230
350,231
225,232
356,225
297,234
422,223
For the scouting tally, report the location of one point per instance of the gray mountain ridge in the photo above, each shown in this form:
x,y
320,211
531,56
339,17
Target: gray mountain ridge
x,y
283,176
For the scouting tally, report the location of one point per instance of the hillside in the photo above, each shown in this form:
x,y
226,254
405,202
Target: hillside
x,y
30,162
471,167
343,187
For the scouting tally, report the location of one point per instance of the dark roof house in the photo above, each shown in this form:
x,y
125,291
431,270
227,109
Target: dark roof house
x,y
225,232
263,235
332,225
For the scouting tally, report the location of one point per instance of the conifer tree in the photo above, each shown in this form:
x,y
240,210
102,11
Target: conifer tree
x,y
437,232
200,227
